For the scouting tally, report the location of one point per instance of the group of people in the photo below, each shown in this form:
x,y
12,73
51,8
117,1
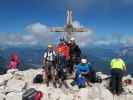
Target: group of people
x,y
65,60
59,61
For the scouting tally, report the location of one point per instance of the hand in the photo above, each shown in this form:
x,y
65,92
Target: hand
x,y
44,62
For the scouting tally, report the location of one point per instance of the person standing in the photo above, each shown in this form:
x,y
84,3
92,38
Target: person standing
x,y
118,67
49,64
61,69
75,53
64,49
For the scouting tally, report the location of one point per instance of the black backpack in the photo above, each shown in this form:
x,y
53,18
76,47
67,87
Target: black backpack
x,y
29,94
38,79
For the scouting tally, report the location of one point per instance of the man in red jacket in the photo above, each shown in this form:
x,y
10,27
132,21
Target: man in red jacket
x,y
64,49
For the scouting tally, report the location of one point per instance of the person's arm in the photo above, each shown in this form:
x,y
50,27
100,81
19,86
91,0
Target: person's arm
x,y
74,72
124,65
111,63
78,50
54,53
44,59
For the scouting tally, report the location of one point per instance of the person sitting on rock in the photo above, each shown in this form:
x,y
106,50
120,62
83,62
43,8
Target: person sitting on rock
x,y
49,64
82,73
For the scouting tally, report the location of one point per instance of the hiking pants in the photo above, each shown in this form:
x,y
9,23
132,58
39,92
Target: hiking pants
x,y
62,72
116,80
49,70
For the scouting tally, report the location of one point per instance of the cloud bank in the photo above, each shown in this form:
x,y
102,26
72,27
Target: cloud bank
x,y
38,34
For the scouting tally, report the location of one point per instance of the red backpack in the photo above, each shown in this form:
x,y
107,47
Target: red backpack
x,y
39,95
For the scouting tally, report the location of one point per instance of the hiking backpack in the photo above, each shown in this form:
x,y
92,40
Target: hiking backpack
x,y
32,94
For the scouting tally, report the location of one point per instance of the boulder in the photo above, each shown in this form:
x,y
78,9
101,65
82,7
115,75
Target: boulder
x,y
15,85
4,78
2,96
2,89
105,93
12,71
83,94
30,74
14,96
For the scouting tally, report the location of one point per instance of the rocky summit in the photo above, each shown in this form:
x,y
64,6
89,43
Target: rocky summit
x,y
14,83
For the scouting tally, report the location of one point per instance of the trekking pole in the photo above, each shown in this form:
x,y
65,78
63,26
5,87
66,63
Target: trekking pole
x,y
113,97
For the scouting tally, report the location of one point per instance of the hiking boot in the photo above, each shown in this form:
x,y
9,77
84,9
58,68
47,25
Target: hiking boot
x,y
54,84
66,85
73,83
118,94
47,83
113,92
60,85
82,87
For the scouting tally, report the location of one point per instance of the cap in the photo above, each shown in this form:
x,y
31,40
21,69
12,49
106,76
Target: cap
x,y
83,61
72,39
50,46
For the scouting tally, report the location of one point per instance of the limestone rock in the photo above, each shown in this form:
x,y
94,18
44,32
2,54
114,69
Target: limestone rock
x,y
4,78
14,96
2,96
14,82
84,94
15,85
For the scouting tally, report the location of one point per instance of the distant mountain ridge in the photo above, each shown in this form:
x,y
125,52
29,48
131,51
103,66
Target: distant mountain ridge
x,y
98,55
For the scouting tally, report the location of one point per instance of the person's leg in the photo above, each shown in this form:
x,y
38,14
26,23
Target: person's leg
x,y
113,81
81,82
60,76
119,82
88,79
49,72
68,65
46,76
53,74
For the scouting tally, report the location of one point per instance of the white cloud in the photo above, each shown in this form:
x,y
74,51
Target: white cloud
x,y
103,42
37,29
16,39
39,34
130,41
76,24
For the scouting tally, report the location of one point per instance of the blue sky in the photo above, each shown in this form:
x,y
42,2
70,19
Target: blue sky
x,y
103,16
